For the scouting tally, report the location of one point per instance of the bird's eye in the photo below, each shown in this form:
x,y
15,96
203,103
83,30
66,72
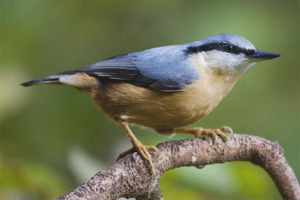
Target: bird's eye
x,y
249,52
228,47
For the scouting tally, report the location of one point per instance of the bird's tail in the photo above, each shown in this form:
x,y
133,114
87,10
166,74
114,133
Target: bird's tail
x,y
48,79
74,78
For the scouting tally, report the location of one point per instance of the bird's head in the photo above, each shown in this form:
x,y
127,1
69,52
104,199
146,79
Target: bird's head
x,y
228,53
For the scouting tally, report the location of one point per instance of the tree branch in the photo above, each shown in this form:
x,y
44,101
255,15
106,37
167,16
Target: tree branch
x,y
130,176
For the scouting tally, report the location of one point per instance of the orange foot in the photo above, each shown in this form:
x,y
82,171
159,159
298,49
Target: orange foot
x,y
199,132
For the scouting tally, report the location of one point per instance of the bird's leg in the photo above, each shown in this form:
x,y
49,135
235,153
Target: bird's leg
x,y
138,146
199,132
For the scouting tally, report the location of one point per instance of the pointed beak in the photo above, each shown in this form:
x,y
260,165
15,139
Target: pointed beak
x,y
262,55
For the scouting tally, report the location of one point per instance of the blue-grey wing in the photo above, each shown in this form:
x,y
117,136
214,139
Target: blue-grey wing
x,y
166,69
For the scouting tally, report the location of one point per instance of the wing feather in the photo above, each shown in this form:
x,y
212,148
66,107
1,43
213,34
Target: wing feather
x,y
152,68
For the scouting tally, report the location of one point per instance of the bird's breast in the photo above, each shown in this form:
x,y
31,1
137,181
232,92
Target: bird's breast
x,y
161,110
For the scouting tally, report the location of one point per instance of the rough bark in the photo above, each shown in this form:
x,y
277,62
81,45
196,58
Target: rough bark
x,y
130,176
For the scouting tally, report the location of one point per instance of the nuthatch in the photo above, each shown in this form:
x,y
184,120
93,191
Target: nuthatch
x,y
165,88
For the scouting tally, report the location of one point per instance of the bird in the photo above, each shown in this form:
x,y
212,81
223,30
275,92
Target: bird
x,y
165,88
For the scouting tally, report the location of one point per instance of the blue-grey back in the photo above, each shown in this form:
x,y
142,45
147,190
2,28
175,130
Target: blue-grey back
x,y
165,68
166,63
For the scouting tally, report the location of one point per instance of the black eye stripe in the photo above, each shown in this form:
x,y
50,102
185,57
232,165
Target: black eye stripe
x,y
226,47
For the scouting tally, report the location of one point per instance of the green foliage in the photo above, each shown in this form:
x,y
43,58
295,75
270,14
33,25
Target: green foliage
x,y
29,180
40,126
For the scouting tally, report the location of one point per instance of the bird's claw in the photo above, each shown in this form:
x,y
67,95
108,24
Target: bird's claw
x,y
221,132
144,152
226,129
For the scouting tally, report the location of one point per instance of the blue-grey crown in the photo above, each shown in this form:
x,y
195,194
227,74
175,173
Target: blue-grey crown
x,y
230,38
227,42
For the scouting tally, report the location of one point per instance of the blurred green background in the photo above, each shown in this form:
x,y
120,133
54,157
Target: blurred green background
x,y
52,138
